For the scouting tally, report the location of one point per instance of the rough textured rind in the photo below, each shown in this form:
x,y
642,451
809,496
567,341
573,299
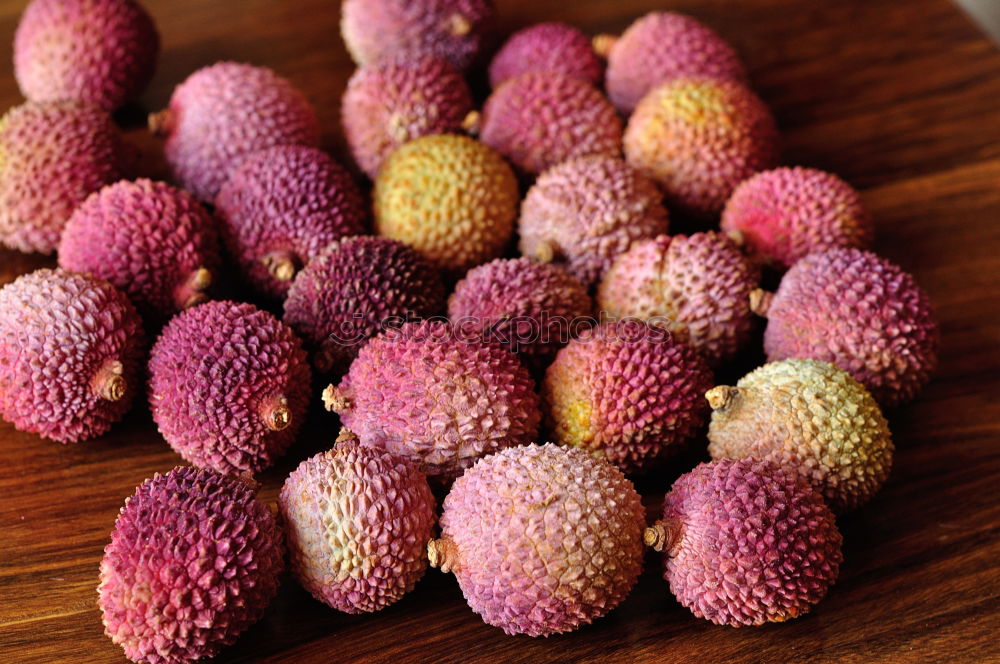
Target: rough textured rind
x,y
699,138
787,213
451,198
280,208
697,287
542,118
436,397
585,212
100,52
746,543
811,417
554,47
860,312
542,540
153,241
392,102
193,562
223,113
525,306
229,386
456,30
626,392
358,521
662,46
52,156
353,290
70,351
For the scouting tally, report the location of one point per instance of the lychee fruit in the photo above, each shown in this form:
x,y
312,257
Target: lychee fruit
x,y
554,47
100,52
280,208
857,311
542,539
355,289
449,197
391,102
229,386
70,351
626,392
194,560
786,213
153,241
437,397
660,47
456,30
52,156
696,286
810,417
542,118
584,213
528,307
699,138
225,112
358,521
746,542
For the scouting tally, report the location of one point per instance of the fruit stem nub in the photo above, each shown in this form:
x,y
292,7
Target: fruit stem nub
x,y
442,553
192,291
281,264
161,122
760,301
603,44
664,535
108,382
276,414
721,396
458,25
345,435
334,400
472,122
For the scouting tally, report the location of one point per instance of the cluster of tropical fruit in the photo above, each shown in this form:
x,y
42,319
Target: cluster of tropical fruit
x,y
607,138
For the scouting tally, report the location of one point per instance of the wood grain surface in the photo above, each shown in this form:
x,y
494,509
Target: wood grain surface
x,y
900,98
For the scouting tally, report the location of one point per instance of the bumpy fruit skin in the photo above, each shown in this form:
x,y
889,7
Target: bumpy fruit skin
x,y
699,138
70,351
153,241
746,542
358,521
542,118
555,47
193,562
229,385
808,416
437,397
225,112
626,392
52,156
527,307
586,212
353,290
542,539
662,46
696,286
392,102
787,213
857,311
100,52
280,208
451,198
456,30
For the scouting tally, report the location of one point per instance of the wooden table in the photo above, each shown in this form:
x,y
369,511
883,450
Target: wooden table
x,y
901,98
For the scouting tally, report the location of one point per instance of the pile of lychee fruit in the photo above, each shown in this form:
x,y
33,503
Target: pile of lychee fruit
x,y
448,357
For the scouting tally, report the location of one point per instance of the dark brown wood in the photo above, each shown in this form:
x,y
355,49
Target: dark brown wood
x,y
901,98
